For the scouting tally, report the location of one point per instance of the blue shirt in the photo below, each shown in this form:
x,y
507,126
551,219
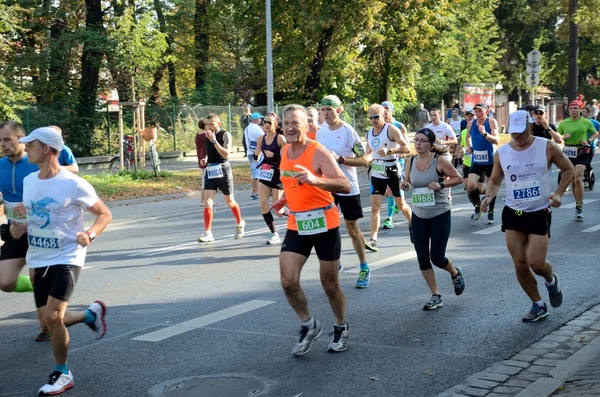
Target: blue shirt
x,y
12,175
597,128
65,156
483,150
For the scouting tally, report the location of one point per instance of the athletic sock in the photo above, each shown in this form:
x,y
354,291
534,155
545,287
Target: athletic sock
x,y
308,322
364,266
551,283
23,284
64,368
208,217
540,303
237,213
474,197
342,325
268,217
90,317
391,206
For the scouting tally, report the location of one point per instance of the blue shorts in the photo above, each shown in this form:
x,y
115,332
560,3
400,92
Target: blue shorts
x,y
253,170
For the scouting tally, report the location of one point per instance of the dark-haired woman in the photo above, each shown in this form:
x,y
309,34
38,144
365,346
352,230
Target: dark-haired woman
x,y
428,174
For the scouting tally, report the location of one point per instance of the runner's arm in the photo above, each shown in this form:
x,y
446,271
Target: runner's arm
x,y
450,134
223,150
452,175
103,218
495,179
360,160
493,136
258,147
558,158
397,137
468,143
592,133
332,178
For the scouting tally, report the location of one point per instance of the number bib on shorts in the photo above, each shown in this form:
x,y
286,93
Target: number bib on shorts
x,y
43,239
311,222
526,191
570,152
423,197
11,214
480,156
214,171
378,168
266,172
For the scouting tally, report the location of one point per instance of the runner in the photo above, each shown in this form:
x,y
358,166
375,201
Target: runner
x,y
525,164
218,176
55,200
428,174
66,158
200,142
541,127
269,145
482,138
388,116
313,127
251,134
309,174
467,157
587,112
455,121
577,133
384,143
444,133
343,142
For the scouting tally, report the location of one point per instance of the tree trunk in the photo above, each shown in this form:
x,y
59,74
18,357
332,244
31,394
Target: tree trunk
x,y
201,43
91,59
313,80
384,91
121,77
573,79
58,68
155,95
170,44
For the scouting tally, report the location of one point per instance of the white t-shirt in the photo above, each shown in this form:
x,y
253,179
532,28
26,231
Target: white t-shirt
x,y
341,142
444,132
251,134
54,214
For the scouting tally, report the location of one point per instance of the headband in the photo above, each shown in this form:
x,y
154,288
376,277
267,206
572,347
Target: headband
x,y
334,103
428,133
574,103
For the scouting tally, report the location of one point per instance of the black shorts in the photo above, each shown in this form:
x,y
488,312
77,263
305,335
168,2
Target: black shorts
x,y
537,222
328,245
350,206
481,169
57,281
581,159
379,186
275,182
12,249
224,183
467,171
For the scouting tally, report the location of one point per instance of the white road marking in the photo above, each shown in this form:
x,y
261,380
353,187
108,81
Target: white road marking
x,y
591,229
572,205
488,230
386,262
203,321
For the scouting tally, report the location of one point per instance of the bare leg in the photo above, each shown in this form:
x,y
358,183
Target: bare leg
x,y
331,286
290,266
358,241
376,200
9,272
517,244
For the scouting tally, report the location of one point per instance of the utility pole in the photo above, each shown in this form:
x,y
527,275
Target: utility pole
x,y
573,79
270,101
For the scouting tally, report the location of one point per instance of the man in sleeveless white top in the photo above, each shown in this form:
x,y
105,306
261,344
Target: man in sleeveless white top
x,y
524,164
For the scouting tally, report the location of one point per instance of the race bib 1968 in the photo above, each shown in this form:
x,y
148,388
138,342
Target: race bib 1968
x,y
43,239
214,171
423,197
311,222
570,152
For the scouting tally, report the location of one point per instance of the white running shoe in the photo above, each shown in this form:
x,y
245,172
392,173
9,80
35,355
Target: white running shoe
x,y
99,324
206,237
239,231
58,383
274,239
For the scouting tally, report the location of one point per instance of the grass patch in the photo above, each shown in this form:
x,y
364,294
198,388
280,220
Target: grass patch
x,y
126,185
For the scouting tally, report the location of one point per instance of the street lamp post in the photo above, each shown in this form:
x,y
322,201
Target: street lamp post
x,y
270,101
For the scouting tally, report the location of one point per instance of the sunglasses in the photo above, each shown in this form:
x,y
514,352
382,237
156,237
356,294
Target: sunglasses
x,y
539,113
268,122
374,117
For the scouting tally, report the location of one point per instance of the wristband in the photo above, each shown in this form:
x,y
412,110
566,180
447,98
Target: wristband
x,y
341,160
91,235
214,142
255,157
442,184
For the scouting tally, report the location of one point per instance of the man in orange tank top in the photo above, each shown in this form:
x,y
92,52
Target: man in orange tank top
x,y
313,127
309,176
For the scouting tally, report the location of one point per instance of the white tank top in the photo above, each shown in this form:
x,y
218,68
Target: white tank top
x,y
527,176
381,141
455,124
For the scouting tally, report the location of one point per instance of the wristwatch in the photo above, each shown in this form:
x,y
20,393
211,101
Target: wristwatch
x,y
442,184
341,160
91,235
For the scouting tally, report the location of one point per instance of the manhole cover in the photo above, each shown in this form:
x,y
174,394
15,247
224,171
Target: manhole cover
x,y
215,386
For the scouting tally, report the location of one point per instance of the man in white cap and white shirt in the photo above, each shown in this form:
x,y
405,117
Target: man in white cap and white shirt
x,y
55,199
524,164
251,134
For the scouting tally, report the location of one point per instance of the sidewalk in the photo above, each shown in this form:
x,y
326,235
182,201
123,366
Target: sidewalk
x,y
564,363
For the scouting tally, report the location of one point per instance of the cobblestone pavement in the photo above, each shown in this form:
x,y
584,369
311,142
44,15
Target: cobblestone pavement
x,y
564,363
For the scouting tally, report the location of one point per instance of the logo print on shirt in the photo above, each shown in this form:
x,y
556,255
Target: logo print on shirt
x,y
40,209
376,142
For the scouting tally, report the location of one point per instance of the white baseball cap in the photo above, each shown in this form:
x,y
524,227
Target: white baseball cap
x,y
46,135
518,121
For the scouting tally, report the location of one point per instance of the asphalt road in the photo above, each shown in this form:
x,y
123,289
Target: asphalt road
x,y
153,275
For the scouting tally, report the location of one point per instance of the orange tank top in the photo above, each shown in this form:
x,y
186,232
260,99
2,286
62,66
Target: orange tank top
x,y
301,198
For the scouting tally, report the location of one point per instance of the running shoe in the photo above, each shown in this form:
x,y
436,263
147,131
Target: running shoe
x,y
396,210
579,213
477,214
340,339
490,220
206,237
274,239
99,324
239,231
388,223
458,281
58,383
536,312
364,276
254,197
371,245
434,303
307,335
43,336
555,293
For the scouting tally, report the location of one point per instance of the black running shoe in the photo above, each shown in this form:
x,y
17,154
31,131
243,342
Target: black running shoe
x,y
555,293
458,281
537,312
